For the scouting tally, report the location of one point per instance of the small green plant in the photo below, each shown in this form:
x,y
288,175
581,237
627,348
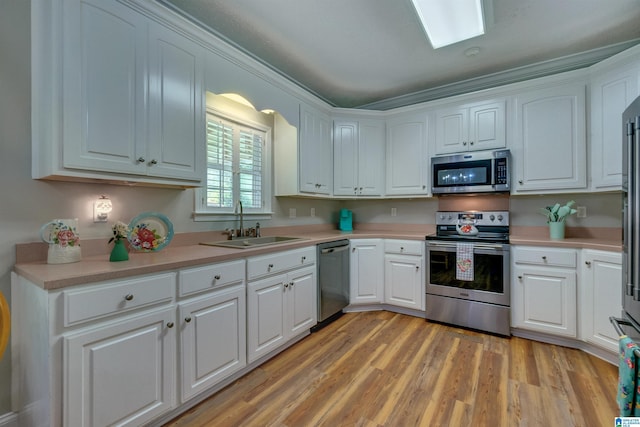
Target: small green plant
x,y
557,213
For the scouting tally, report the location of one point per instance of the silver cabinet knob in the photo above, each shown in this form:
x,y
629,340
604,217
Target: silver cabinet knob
x,y
417,267
169,325
153,162
286,285
464,142
544,258
520,277
128,297
141,160
520,181
217,277
470,142
187,319
588,263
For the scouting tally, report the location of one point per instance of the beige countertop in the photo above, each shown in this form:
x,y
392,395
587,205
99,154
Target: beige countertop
x,y
185,251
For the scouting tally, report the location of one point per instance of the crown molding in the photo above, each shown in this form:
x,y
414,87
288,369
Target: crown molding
x,y
514,75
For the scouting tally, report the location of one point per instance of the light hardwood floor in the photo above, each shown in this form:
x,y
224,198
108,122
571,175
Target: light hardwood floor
x,y
387,369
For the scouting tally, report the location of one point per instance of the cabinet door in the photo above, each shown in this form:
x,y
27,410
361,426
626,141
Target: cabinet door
x,y
120,374
545,299
212,339
104,66
316,158
611,94
407,159
487,126
601,297
404,281
550,127
452,127
367,271
345,158
371,158
301,301
266,316
176,145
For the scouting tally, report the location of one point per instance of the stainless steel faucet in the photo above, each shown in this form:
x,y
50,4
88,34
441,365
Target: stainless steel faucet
x,y
241,231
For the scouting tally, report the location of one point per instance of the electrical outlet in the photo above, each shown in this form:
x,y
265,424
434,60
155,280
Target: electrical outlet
x,y
394,212
582,211
312,213
292,212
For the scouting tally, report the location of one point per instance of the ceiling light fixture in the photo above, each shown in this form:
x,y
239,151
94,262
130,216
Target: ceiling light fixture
x,y
447,22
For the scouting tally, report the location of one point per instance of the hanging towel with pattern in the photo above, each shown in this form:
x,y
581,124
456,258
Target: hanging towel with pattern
x,y
464,261
628,385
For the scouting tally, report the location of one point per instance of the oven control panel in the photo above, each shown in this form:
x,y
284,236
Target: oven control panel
x,y
492,218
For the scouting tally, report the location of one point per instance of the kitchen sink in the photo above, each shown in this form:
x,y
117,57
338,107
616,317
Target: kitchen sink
x,y
251,242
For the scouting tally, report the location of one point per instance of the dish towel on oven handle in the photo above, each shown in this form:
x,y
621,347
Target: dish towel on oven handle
x,y
464,261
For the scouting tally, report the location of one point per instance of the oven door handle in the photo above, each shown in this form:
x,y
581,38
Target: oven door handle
x,y
495,247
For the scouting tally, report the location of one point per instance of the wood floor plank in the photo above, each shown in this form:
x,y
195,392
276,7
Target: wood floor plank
x,y
375,369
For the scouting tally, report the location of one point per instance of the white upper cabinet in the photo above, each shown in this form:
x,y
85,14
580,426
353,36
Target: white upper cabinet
x,y
118,97
358,157
176,146
315,153
480,126
614,85
550,149
407,157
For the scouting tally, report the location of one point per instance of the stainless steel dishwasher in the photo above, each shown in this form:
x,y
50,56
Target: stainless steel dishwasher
x,y
333,280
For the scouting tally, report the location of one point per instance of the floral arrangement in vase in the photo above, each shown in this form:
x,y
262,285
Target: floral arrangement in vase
x,y
119,251
557,213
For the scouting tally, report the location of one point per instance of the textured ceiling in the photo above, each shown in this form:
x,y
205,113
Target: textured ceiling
x,y
368,53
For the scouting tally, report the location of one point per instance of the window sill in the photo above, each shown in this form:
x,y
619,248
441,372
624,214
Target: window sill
x,y
223,217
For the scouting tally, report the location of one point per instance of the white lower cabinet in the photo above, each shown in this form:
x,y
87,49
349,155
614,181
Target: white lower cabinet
x,y
282,302
212,339
120,373
211,324
367,271
404,276
544,290
600,297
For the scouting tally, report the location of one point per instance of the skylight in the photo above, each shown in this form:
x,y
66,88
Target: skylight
x,y
450,21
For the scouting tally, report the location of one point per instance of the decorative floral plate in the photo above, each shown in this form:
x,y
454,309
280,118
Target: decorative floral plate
x,y
150,231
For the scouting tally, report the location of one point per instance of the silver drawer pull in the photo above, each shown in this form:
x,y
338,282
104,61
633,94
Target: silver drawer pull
x,y
217,277
187,319
169,325
141,160
544,258
588,263
128,297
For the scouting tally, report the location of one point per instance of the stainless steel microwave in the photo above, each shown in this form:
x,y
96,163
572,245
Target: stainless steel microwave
x,y
475,172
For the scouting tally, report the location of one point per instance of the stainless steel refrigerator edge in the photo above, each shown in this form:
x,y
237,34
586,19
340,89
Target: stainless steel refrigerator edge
x,y
631,212
333,279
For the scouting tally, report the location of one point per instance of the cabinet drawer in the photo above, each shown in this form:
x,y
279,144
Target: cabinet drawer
x,y
405,247
210,277
281,261
116,297
545,256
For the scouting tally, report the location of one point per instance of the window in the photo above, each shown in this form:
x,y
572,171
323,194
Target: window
x,y
237,167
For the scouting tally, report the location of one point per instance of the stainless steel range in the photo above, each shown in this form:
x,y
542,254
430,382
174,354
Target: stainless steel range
x,y
468,274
